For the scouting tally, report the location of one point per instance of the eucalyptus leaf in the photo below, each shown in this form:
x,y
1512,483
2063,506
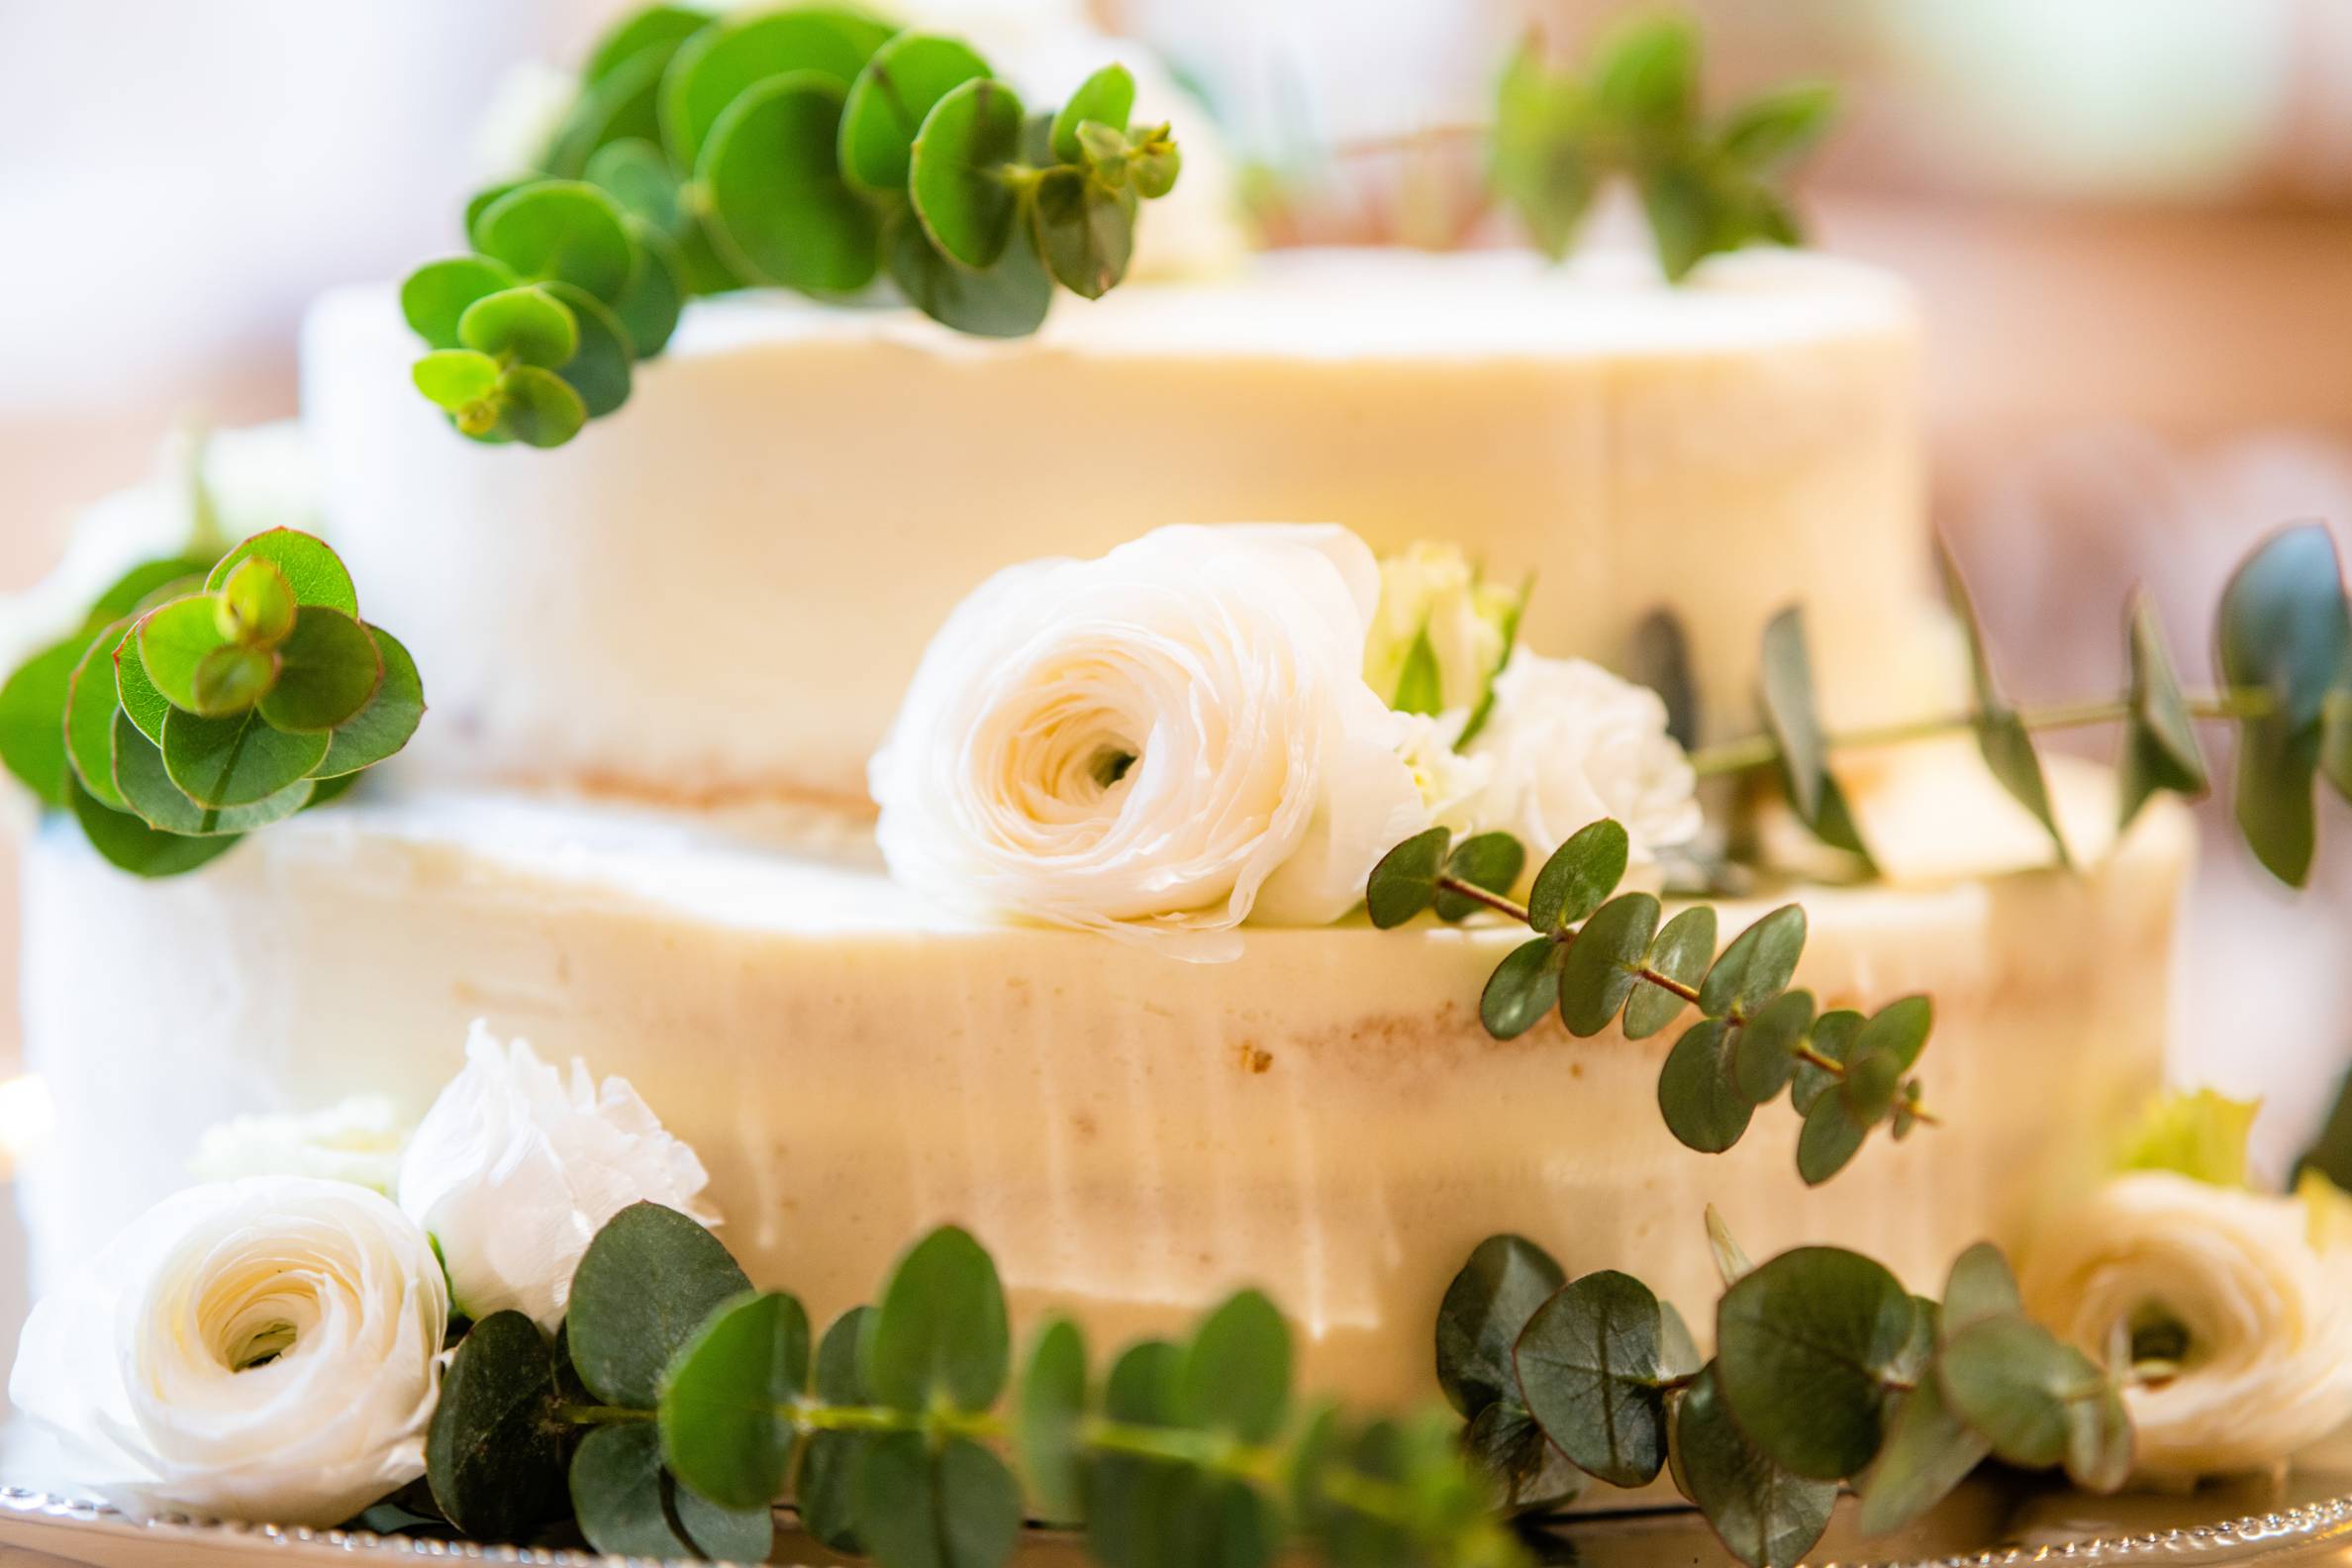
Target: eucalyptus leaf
x,y
32,718
2011,1380
564,230
238,760
956,1507
455,379
1591,1370
436,296
726,1427
649,308
2001,736
622,105
2160,746
1834,1036
174,639
1107,98
939,1331
889,99
2284,630
717,67
1489,860
1485,1307
1540,163
495,1451
629,1505
652,28
313,570
255,605
1646,73
2098,1440
829,1459
1682,954
129,844
90,713
520,324
147,787
1806,1347
1698,1090
639,179
1523,988
539,408
143,587
1405,881
1794,723
1764,1516
1603,960
1757,967
1660,659
647,1283
1053,1415
230,679
1236,1374
1008,300
146,706
1899,1029
1086,234
330,670
1928,1451
1769,132
1829,1139
957,173
780,208
1580,874
383,727
597,368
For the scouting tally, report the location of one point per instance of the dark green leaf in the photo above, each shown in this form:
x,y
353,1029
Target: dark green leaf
x,y
174,639
315,573
1979,1286
1774,130
939,1331
1688,216
2330,1154
1489,860
230,679
629,1505
649,308
384,726
1834,1037
1580,874
495,1452
1603,961
1698,1091
330,671
726,1427
599,369
1804,1346
2001,736
1795,724
1529,1475
566,231
1837,1124
718,67
1404,882
1765,1056
1086,234
959,1508
436,296
1756,967
1591,1369
90,709
1540,163
239,760
645,1286
1928,1453
2160,747
958,176
1899,1029
2011,1380
539,408
1485,1307
1525,987
829,1459
1008,300
2285,630
889,99
1764,1516
148,789
32,717
1660,659
1052,1412
780,208
1682,954
1235,1376
1108,97
131,845
642,184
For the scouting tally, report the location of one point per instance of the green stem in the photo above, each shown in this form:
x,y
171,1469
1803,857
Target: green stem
x,y
1478,895
602,1415
1836,1069
1755,751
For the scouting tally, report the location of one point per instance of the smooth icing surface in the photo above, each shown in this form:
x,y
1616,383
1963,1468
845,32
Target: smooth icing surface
x,y
718,593
1131,1135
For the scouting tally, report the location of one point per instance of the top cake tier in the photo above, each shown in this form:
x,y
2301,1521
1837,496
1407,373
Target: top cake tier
x,y
718,593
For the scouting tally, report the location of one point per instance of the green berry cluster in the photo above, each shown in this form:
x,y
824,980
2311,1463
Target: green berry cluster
x,y
812,149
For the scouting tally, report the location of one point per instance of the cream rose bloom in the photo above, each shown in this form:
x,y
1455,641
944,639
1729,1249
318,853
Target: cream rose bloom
x,y
1571,743
2231,1289
1156,744
266,1349
516,1167
354,1140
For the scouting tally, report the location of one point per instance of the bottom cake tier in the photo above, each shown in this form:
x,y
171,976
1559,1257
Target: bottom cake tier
x,y
1132,1136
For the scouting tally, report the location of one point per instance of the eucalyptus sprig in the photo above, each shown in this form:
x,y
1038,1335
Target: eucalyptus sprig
x,y
1827,1376
811,149
678,1404
1598,959
1635,112
2283,639
200,699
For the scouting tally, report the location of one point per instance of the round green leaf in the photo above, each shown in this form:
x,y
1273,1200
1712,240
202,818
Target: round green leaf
x,y
1158,161
174,639
778,204
939,1331
142,587
1834,1036
715,68
1680,952
1489,860
1527,1474
1698,1092
1580,874
565,230
639,179
230,679
1235,1376
654,28
1008,300
1979,1286
1590,1367
2012,1382
525,324
648,308
628,1506
146,706
1485,1307
957,175
255,604
1085,231
436,297
1829,1140
1804,1346
1766,1517
330,670
1404,882
1603,960
1052,1414
623,105
1928,1453
31,728
723,1433
599,370
1525,986
148,790
90,709
821,1489
539,408
1107,97
958,1507
494,1453
646,1284
129,844
2284,628
889,99
315,573
1765,1058
236,760
384,726
1898,1031
2098,1443
1756,967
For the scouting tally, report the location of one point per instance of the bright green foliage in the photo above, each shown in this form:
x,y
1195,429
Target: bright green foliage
x,y
810,148
1634,114
202,699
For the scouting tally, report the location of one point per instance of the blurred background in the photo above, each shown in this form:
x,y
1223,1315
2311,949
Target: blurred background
x,y
2129,220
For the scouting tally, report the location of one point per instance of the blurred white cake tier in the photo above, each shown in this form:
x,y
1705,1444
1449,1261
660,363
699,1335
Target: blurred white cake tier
x,y
1130,1136
718,593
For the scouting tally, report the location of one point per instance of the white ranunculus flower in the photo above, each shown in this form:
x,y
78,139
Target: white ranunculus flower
x,y
2232,1292
1572,743
265,1349
516,1168
354,1140
1453,787
1156,744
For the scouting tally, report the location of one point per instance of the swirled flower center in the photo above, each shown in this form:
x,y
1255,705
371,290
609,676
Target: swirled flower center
x,y
255,1311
